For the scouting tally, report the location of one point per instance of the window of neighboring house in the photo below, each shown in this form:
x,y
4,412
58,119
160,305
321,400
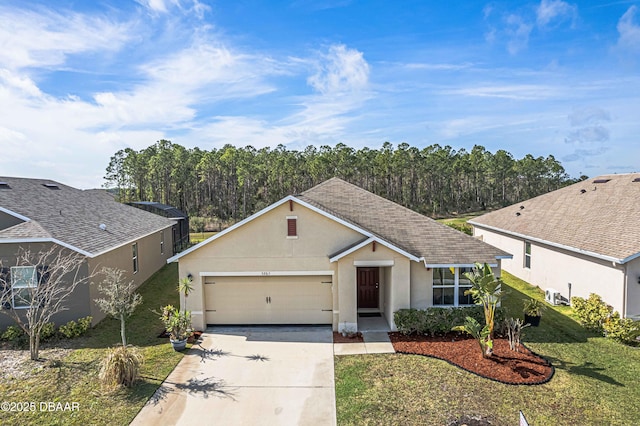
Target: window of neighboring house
x,y
292,226
135,257
24,281
527,254
449,285
161,242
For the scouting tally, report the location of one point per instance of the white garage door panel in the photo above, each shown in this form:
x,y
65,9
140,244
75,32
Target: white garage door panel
x,y
268,300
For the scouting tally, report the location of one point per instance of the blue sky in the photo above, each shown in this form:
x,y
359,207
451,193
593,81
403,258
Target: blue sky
x,y
80,80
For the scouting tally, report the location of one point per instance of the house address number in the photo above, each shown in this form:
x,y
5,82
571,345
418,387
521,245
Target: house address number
x,y
265,273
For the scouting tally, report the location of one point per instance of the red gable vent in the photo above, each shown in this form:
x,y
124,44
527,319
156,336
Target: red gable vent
x,y
292,228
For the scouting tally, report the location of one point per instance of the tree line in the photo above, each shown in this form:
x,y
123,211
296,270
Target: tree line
x,y
231,183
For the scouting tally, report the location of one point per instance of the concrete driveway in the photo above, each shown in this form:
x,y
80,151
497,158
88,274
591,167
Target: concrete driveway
x,y
250,376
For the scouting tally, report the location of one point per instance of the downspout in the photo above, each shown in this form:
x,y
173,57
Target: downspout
x,y
624,294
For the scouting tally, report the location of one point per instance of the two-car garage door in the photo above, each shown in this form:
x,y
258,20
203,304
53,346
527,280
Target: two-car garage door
x,y
268,300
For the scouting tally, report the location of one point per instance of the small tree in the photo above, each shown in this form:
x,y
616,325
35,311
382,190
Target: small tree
x,y
121,299
486,291
40,283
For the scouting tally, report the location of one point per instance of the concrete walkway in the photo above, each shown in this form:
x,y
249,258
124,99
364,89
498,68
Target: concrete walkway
x,y
376,340
250,376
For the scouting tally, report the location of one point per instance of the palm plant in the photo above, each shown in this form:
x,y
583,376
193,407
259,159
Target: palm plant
x,y
486,291
480,333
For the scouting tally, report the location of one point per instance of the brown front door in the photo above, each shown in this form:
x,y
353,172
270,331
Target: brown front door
x,y
368,287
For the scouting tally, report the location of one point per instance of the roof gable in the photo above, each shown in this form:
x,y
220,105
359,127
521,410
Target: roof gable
x,y
400,229
72,217
409,231
599,217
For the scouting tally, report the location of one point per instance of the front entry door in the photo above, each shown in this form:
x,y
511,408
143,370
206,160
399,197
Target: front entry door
x,y
368,287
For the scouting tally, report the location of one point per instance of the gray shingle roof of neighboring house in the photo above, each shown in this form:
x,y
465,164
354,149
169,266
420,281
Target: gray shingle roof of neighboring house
x,y
406,229
598,216
73,216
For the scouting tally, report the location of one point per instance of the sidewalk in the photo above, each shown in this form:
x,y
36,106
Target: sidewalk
x,y
375,342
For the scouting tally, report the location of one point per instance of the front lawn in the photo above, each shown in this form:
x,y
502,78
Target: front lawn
x,y
596,380
75,377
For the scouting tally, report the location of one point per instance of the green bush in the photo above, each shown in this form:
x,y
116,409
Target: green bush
x,y
48,331
434,321
462,227
592,312
75,329
624,330
13,333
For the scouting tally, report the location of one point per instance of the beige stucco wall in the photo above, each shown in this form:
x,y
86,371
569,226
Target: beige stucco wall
x,y
421,286
633,289
261,245
554,268
395,291
150,260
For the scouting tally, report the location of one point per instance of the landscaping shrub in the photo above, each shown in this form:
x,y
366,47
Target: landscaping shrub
x,y
15,335
48,331
592,312
624,330
462,227
434,321
75,329
121,366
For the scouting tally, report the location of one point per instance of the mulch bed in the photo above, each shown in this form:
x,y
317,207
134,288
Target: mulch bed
x,y
506,366
339,338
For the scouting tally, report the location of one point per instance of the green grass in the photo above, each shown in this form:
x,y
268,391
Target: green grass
x,y
75,378
596,380
198,237
461,219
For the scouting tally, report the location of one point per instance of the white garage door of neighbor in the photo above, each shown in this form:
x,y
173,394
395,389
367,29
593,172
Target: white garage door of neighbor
x,y
269,300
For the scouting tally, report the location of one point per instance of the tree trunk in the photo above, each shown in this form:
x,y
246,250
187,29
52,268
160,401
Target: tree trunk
x,y
34,345
122,333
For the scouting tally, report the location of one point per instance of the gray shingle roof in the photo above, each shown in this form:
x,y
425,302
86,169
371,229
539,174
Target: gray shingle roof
x,y
410,231
601,218
73,216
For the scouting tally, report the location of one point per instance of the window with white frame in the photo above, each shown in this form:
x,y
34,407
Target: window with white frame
x,y
24,282
527,254
134,249
449,285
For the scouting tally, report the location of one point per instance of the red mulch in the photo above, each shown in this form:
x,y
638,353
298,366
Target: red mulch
x,y
506,366
339,338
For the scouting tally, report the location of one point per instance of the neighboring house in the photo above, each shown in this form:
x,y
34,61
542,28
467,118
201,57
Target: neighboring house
x,y
180,229
581,239
38,214
325,256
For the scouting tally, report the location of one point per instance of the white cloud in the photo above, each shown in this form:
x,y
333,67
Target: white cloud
x,y
513,91
340,70
554,10
164,6
30,39
629,30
